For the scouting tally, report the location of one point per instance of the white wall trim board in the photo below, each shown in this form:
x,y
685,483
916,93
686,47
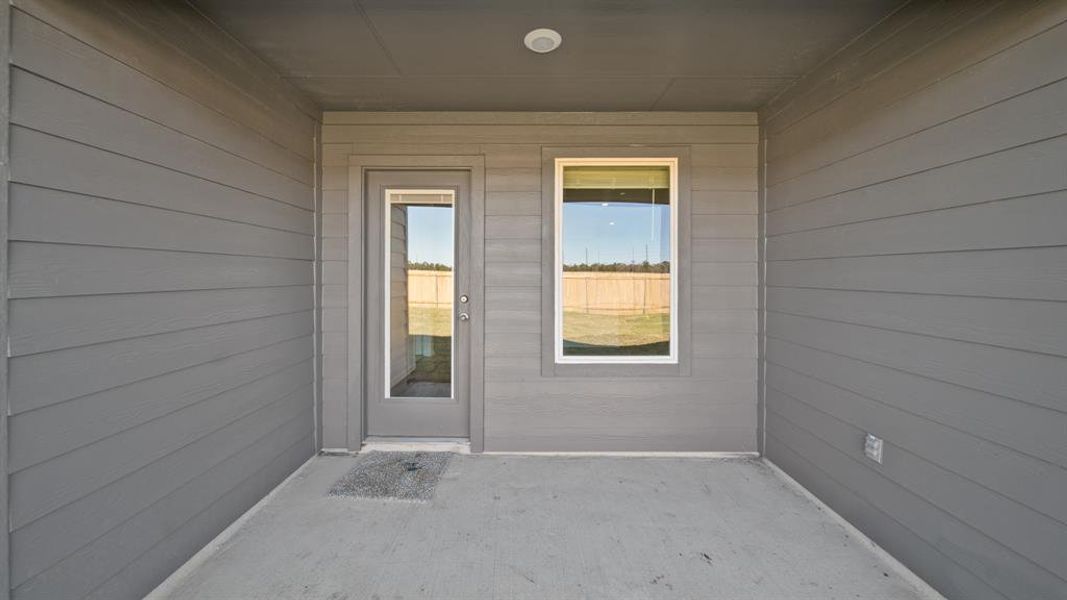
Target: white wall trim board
x,y
708,455
647,118
317,293
464,448
385,445
336,452
924,589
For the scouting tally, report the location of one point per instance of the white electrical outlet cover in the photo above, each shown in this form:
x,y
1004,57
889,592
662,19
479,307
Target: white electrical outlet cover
x,y
872,447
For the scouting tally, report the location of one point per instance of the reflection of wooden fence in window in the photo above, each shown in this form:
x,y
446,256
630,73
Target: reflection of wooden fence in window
x,y
592,292
607,293
430,288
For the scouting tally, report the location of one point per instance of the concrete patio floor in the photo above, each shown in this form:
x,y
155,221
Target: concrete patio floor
x,y
547,527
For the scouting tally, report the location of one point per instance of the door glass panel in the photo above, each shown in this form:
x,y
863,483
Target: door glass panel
x,y
419,292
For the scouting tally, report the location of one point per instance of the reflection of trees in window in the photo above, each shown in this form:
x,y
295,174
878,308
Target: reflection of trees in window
x,y
641,267
428,266
613,303
421,291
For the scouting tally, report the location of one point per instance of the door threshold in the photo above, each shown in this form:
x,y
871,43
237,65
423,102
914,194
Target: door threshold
x,y
406,444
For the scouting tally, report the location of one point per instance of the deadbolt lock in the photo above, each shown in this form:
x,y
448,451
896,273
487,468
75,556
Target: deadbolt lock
x,y
464,299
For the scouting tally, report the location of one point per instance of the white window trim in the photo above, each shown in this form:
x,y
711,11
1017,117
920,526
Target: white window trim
x,y
560,163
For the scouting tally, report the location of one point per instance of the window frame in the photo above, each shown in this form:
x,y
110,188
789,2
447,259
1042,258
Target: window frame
x,y
560,164
613,371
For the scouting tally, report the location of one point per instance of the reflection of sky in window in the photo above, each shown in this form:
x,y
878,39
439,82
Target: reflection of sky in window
x,y
430,234
617,233
592,233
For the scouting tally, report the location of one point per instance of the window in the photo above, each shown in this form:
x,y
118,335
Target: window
x,y
616,260
419,229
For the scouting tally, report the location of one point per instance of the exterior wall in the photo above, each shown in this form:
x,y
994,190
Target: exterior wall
x,y
714,409
916,222
161,291
5,406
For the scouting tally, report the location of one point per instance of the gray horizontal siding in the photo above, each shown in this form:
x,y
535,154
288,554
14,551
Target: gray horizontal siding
x,y
714,409
161,364
916,288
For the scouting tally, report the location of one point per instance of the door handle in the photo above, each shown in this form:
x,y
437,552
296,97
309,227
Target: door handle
x,y
464,317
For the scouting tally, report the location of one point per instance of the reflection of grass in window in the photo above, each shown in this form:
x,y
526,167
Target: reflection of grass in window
x,y
608,335
430,320
583,334
435,322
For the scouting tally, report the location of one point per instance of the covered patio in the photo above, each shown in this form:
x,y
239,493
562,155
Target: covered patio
x,y
733,299
541,527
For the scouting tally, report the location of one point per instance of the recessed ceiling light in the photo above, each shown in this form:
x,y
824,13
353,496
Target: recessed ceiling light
x,y
543,40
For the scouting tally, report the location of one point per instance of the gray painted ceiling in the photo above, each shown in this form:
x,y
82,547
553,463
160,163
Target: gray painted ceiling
x,y
617,55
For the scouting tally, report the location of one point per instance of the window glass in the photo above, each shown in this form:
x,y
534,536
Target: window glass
x,y
615,277
419,293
